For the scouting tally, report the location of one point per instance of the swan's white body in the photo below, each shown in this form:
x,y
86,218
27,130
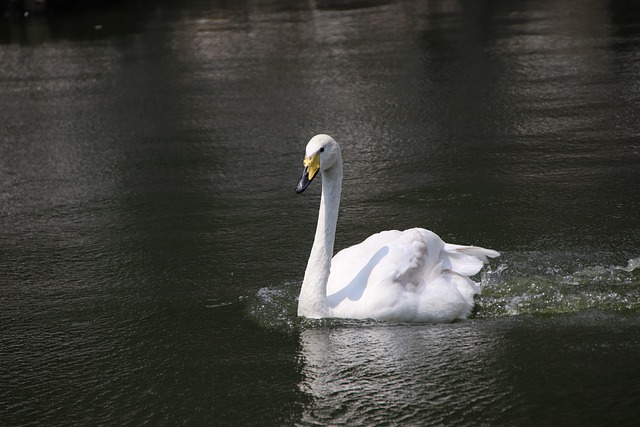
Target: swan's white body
x,y
406,276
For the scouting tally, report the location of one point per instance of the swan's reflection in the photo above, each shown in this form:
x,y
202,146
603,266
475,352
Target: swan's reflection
x,y
371,374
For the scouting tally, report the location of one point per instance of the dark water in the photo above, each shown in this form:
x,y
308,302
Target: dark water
x,y
151,244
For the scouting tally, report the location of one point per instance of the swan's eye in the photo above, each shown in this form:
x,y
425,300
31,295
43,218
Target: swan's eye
x,y
322,149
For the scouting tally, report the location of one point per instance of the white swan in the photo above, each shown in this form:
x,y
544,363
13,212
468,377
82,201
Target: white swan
x,y
405,276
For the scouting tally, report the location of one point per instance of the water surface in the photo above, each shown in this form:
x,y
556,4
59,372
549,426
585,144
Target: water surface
x,y
151,244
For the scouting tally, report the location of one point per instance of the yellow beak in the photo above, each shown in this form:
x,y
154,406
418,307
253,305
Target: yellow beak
x,y
313,165
311,168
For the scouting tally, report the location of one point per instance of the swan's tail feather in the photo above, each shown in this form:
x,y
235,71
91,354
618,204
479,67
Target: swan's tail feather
x,y
467,260
476,251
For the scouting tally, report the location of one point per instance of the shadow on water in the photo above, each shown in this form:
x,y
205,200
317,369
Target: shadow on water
x,y
101,19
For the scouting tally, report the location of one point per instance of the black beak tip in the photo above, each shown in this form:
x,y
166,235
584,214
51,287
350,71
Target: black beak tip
x,y
303,183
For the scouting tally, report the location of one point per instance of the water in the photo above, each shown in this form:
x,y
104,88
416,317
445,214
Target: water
x,y
151,244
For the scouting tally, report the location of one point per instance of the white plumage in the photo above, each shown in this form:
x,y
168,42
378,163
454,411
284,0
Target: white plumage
x,y
408,276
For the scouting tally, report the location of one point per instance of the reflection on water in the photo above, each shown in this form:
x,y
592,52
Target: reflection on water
x,y
152,247
375,375
472,373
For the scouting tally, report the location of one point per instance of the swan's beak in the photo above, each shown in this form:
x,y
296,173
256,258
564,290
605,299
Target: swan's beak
x,y
311,168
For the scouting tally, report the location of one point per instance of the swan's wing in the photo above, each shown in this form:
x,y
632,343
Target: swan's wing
x,y
408,275
352,267
379,274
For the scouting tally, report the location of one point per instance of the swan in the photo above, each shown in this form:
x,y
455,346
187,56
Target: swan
x,y
400,276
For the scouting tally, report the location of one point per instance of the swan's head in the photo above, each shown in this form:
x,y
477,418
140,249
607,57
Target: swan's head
x,y
322,153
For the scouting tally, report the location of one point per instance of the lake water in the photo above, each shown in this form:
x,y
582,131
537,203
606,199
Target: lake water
x,y
152,246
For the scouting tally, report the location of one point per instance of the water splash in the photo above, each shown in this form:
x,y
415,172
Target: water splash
x,y
514,287
275,308
510,291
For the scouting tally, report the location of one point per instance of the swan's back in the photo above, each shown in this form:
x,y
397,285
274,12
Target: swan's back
x,y
409,275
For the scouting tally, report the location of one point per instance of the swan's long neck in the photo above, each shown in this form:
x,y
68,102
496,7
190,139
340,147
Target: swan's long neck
x,y
313,295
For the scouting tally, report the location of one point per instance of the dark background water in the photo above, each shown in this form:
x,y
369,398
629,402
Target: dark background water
x,y
151,244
